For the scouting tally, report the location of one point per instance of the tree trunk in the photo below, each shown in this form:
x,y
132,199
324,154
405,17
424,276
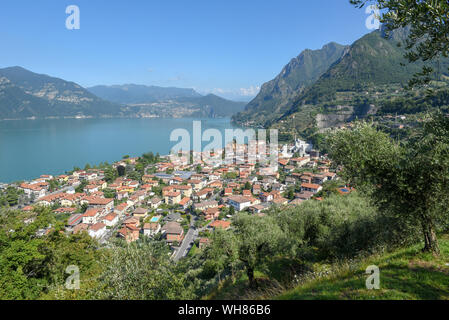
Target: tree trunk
x,y
250,273
430,238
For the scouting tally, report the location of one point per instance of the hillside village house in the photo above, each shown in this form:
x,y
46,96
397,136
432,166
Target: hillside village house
x,y
185,203
186,190
34,190
97,230
239,202
197,185
173,232
172,198
129,232
92,215
111,219
203,194
203,243
220,224
211,213
121,209
95,202
154,203
205,205
140,213
315,188
151,229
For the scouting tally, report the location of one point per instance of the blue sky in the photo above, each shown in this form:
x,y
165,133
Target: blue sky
x,y
227,47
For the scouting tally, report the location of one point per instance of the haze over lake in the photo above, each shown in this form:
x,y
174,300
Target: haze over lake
x,y
30,148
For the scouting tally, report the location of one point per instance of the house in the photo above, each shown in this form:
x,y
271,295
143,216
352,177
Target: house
x,y
211,213
34,190
49,200
266,196
257,208
319,178
132,221
247,193
290,181
197,185
330,176
300,162
227,192
280,201
80,228
172,198
122,195
110,220
129,232
203,243
185,203
304,195
186,190
154,203
315,188
217,184
96,202
173,232
68,200
97,230
257,189
151,229
220,224
92,215
205,204
90,188
204,194
239,202
149,179
140,213
121,209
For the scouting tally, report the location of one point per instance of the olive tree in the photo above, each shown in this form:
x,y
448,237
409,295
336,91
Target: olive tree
x,y
428,21
411,181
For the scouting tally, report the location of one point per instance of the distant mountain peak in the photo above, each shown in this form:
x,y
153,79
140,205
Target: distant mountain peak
x,y
299,73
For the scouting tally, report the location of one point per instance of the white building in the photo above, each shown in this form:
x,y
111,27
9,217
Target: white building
x,y
239,202
97,230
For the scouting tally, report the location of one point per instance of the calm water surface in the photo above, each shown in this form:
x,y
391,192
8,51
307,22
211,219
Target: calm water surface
x,y
30,148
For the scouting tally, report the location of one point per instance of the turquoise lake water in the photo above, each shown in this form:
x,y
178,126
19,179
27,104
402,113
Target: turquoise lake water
x,y
30,148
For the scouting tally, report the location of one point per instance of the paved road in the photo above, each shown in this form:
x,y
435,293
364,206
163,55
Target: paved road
x,y
185,245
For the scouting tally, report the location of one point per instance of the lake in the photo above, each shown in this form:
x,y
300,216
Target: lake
x,y
29,148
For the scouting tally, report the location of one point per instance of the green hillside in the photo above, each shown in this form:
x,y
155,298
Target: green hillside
x,y
26,94
404,274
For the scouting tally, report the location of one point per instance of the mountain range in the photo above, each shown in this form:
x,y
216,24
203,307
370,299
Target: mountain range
x,y
302,71
25,94
322,88
175,102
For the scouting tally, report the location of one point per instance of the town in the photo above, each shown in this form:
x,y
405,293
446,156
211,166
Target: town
x,y
180,202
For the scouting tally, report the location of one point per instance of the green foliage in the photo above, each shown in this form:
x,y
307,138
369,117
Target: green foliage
x,y
410,182
428,23
80,188
142,271
30,265
10,197
109,193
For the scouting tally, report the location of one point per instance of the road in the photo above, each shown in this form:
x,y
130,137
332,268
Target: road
x,y
185,245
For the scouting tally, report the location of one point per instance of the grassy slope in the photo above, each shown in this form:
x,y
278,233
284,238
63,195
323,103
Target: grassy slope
x,y
404,274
